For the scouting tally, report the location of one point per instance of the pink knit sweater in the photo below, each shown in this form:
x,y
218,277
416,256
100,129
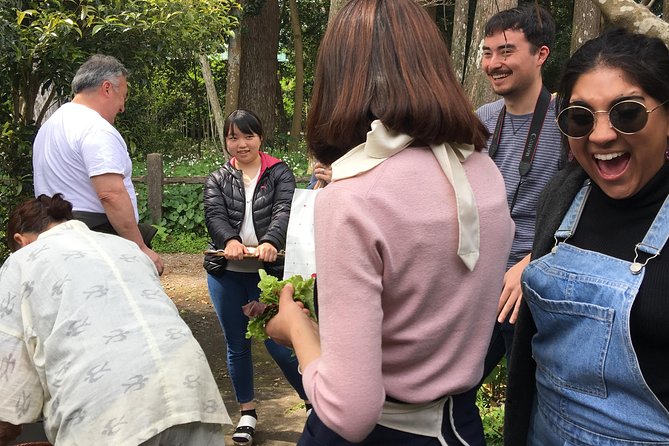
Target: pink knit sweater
x,y
400,314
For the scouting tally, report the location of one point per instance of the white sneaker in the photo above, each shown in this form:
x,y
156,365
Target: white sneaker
x,y
243,435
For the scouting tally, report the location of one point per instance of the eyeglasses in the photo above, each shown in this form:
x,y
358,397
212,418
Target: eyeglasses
x,y
627,117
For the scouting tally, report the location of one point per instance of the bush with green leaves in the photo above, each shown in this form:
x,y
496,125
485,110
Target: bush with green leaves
x,y
15,173
490,401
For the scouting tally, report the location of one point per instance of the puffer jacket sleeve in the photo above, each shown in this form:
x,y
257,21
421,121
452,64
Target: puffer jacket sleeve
x,y
216,212
284,187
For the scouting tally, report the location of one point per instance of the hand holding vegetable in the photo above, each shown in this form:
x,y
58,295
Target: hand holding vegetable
x,y
291,320
267,307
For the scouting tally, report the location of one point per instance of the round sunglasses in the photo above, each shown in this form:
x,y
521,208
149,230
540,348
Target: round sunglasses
x,y
627,117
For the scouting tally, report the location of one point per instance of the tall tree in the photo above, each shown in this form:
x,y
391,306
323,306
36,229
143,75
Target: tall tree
x,y
296,126
259,67
213,101
459,39
586,24
476,83
234,67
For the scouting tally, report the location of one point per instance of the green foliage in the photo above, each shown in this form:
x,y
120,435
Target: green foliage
x,y
490,401
183,204
493,423
169,112
270,290
296,160
179,242
562,12
15,173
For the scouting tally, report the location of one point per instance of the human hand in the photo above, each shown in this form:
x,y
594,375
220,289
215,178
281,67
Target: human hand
x,y
234,250
266,252
155,258
8,432
292,315
509,300
323,173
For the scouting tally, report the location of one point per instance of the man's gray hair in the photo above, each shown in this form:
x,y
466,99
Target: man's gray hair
x,y
97,69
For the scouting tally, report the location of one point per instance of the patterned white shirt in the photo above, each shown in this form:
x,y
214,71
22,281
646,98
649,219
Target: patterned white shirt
x,y
89,338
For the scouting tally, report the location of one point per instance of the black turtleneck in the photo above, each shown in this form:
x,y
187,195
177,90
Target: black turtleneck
x,y
614,227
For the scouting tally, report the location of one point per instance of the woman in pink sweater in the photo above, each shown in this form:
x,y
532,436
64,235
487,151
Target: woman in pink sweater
x,y
412,237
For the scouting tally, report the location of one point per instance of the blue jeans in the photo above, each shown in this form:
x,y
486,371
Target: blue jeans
x,y
229,293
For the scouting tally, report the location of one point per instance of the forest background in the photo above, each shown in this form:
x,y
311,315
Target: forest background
x,y
194,61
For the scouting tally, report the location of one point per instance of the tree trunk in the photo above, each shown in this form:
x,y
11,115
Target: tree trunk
x,y
459,38
335,6
259,66
213,101
586,23
476,83
234,65
630,15
296,126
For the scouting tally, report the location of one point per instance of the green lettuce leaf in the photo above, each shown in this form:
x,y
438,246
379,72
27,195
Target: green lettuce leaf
x,y
270,289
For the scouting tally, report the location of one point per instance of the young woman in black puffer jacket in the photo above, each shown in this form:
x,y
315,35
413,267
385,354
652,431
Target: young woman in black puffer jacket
x,y
246,205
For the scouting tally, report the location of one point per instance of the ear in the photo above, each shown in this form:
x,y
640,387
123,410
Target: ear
x,y
542,54
24,239
106,87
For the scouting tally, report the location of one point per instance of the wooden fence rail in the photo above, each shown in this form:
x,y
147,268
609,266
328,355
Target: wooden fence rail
x,y
155,179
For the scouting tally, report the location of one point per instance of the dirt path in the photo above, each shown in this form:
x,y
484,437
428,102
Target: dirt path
x,y
281,414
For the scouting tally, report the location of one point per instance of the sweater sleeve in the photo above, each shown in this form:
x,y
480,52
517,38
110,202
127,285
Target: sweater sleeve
x,y
345,384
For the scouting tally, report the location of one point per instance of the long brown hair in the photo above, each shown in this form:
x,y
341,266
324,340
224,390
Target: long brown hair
x,y
386,59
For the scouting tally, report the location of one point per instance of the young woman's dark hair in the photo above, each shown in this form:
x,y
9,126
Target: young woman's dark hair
x,y
533,20
395,68
35,216
246,121
643,60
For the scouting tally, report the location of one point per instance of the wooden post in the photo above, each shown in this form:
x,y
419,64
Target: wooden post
x,y
154,186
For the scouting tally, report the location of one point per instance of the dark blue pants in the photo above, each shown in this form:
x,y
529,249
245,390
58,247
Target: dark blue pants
x,y
466,425
500,346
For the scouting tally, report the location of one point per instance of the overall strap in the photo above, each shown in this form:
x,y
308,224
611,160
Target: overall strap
x,y
573,215
654,240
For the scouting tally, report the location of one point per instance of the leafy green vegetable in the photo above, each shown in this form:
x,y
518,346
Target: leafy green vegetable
x,y
270,289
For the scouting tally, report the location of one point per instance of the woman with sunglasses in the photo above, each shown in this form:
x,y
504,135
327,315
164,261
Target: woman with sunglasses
x,y
590,358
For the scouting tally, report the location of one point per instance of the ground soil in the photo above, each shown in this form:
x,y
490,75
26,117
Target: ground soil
x,y
281,413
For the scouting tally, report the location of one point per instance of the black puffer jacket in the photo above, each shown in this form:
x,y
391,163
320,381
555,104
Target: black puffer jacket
x,y
224,207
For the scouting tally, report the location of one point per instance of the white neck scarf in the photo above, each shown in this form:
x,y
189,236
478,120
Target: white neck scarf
x,y
381,144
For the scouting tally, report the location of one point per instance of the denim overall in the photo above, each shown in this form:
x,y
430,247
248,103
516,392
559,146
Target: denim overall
x,y
590,390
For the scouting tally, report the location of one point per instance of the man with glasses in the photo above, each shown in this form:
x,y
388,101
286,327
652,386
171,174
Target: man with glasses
x,y
78,152
525,141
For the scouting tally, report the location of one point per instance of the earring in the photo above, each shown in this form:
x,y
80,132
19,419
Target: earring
x,y
666,153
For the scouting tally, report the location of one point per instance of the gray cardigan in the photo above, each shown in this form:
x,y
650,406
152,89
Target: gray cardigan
x,y
521,388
